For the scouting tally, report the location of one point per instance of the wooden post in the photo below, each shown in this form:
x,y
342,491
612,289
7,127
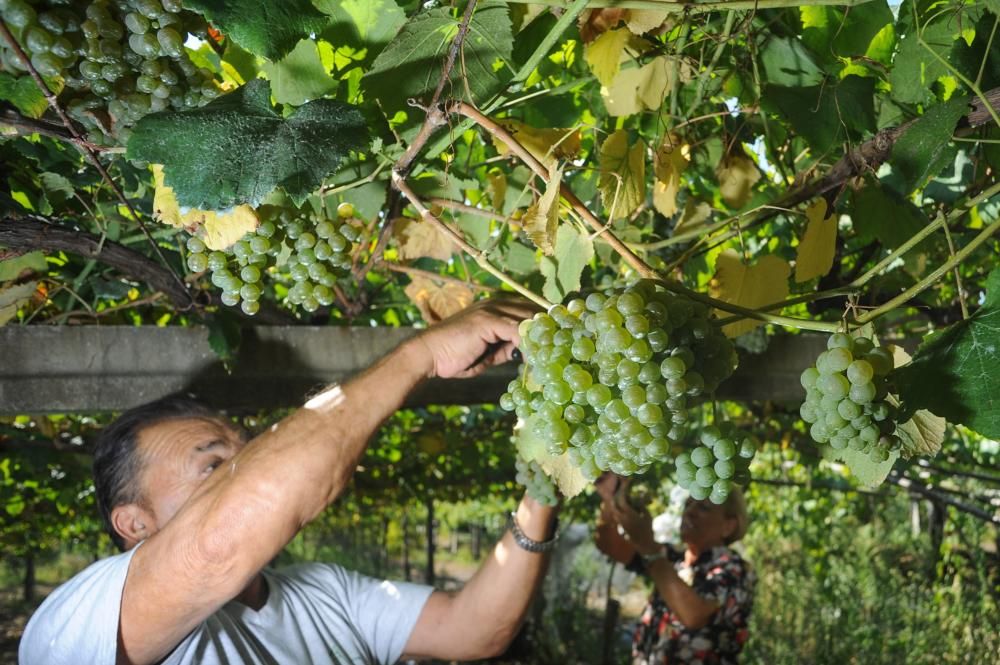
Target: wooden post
x,y
29,578
429,571
477,536
405,526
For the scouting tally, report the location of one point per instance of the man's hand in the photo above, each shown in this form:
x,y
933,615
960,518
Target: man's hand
x,y
453,347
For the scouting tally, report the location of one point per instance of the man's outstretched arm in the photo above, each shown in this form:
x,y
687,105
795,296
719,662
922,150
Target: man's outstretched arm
x,y
481,619
250,507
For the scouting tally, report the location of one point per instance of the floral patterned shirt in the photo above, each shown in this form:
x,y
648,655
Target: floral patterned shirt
x,y
719,574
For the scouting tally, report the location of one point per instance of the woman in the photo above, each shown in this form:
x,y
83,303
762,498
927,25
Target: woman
x,y
700,606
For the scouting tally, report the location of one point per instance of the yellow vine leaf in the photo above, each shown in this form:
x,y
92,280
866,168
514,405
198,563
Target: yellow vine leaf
x,y
695,214
496,187
564,474
669,163
219,230
816,249
13,297
641,21
418,239
737,175
638,88
604,54
547,145
542,217
437,302
749,286
623,175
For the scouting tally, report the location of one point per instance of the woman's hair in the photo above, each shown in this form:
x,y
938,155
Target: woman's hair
x,y
117,462
736,507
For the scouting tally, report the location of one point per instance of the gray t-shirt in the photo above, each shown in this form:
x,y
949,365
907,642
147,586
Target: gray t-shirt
x,y
315,613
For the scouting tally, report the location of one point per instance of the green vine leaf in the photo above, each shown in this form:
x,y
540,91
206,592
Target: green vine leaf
x,y
953,373
238,148
563,269
24,94
868,472
368,24
300,76
264,27
410,66
926,148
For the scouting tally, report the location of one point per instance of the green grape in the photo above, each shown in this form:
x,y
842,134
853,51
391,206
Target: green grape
x,y
848,409
862,393
839,341
860,371
724,449
838,359
230,299
724,468
809,377
634,396
250,307
673,368
706,476
197,262
702,456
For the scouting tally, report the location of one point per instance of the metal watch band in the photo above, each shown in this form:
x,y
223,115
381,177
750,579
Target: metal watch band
x,y
526,543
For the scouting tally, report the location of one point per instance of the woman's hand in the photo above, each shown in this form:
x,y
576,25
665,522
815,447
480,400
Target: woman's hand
x,y
637,525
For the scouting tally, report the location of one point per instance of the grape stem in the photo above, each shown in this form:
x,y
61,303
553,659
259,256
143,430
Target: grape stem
x,y
498,131
400,183
84,147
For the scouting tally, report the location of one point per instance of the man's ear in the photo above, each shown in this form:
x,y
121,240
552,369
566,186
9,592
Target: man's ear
x,y
132,522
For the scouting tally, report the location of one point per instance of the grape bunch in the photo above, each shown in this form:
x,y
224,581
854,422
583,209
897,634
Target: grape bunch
x,y
846,393
316,252
120,59
536,482
608,378
721,461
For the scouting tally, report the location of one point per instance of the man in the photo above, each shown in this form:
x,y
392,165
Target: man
x,y
200,514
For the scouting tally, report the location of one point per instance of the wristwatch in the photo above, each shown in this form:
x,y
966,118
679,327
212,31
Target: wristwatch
x,y
526,543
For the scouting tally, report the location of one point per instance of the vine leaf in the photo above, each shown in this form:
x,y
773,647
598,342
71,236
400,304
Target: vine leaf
x,y
542,217
263,27
560,469
868,472
641,21
695,214
547,145
562,271
669,163
437,302
953,373
418,239
788,62
30,262
818,245
604,54
410,65
13,297
300,76
24,94
623,175
749,286
926,147
737,174
368,24
219,230
924,432
638,89
496,188
238,148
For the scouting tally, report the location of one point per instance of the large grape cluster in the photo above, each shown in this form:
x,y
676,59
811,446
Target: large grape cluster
x,y
120,59
721,461
316,252
846,393
536,482
608,378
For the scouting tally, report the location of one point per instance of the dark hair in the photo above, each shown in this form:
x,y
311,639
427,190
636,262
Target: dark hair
x,y
116,460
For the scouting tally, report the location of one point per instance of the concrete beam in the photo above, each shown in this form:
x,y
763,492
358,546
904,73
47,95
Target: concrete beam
x,y
79,369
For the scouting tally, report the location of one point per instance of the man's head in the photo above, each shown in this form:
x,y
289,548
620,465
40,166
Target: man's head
x,y
150,460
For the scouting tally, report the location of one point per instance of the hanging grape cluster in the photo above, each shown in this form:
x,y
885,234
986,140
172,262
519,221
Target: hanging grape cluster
x,y
846,393
608,378
120,59
316,252
536,482
721,461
